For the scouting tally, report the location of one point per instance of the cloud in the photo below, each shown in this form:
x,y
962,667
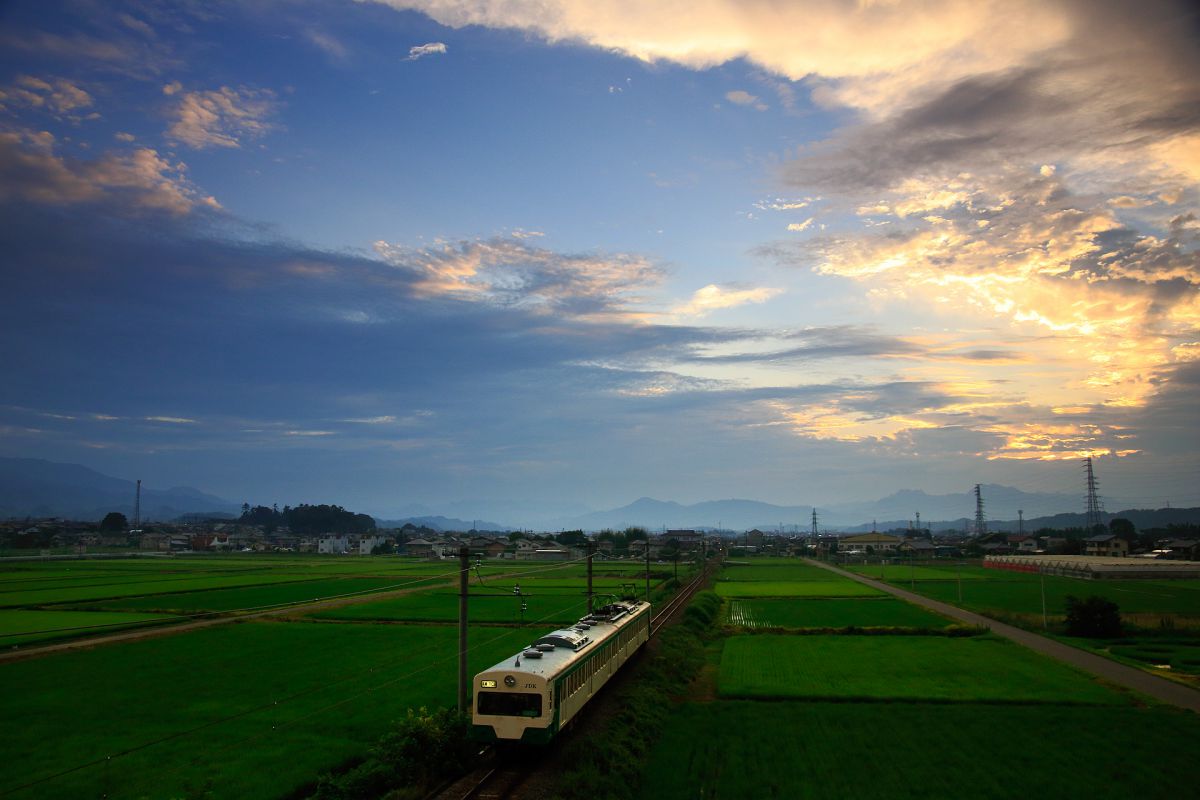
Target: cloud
x,y
743,98
56,96
327,43
713,297
222,117
512,273
141,179
422,50
800,226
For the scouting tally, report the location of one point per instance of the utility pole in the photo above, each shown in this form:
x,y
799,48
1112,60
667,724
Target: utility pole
x,y
464,574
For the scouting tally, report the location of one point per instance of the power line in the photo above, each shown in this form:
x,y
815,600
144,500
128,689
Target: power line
x,y
290,698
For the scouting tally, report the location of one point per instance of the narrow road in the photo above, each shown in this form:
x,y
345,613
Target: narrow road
x,y
1159,688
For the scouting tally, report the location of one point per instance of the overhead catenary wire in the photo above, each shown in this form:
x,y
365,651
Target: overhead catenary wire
x,y
407,657
233,612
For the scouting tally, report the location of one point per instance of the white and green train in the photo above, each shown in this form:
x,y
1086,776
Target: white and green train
x,y
531,696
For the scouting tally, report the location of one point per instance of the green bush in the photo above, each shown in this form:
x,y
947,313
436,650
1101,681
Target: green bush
x,y
421,750
607,765
1096,617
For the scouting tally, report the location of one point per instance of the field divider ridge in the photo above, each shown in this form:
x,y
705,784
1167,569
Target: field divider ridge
x,y
1160,689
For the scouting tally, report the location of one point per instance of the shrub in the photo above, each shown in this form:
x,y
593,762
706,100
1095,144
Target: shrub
x,y
1096,617
421,749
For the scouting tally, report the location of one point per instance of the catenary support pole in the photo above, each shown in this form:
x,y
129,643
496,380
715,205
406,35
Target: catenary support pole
x,y
591,553
647,568
464,574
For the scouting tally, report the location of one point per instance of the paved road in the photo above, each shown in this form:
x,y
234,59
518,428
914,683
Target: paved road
x,y
1159,688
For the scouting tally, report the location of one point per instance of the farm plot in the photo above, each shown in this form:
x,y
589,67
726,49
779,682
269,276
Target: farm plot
x,y
1024,596
794,571
830,587
548,606
824,613
26,627
337,687
979,668
254,597
912,750
901,573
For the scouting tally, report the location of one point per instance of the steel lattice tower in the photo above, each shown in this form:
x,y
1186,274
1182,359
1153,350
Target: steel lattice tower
x,y
137,507
980,520
814,523
1094,516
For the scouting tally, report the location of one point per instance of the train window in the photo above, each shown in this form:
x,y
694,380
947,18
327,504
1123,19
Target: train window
x,y
510,704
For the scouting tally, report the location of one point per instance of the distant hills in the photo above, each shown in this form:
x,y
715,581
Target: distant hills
x,y
33,487
895,510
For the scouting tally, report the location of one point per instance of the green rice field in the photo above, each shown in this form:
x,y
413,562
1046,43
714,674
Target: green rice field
x,y
832,587
825,613
337,686
978,668
872,751
26,627
246,708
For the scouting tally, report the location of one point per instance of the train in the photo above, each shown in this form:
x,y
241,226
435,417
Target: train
x,y
530,697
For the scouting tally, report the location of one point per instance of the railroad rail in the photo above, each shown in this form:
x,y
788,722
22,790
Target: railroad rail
x,y
493,781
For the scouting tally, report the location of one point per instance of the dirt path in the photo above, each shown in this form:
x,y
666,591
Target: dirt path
x,y
35,651
1159,688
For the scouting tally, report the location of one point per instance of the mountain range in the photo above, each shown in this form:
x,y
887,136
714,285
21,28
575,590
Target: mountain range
x,y
31,487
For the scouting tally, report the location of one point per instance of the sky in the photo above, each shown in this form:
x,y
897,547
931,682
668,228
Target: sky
x,y
515,260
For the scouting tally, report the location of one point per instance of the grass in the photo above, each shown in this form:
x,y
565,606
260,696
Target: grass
x,y
254,596
1177,655
351,681
25,627
822,613
1023,595
549,606
830,587
980,668
795,571
900,573
737,749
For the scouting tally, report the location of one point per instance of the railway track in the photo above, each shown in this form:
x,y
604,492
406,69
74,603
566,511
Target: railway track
x,y
500,781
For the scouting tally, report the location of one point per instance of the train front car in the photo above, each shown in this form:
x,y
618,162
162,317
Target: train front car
x,y
528,697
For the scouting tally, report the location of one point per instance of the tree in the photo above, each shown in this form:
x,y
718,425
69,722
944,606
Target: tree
x,y
1124,529
572,538
1096,617
114,521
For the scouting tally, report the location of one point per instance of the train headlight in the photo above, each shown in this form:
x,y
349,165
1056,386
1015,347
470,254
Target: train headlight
x,y
510,681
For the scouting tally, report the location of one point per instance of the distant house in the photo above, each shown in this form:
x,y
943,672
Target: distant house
x,y
1106,544
688,539
487,547
366,544
876,541
919,548
419,548
330,544
525,549
1183,549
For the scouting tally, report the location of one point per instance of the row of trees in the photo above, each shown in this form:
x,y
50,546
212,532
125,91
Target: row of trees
x,y
306,520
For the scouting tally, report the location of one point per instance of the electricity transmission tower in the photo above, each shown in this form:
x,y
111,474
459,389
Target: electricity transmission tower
x,y
980,520
814,523
1094,516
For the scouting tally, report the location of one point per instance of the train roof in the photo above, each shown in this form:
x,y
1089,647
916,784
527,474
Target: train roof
x,y
559,649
